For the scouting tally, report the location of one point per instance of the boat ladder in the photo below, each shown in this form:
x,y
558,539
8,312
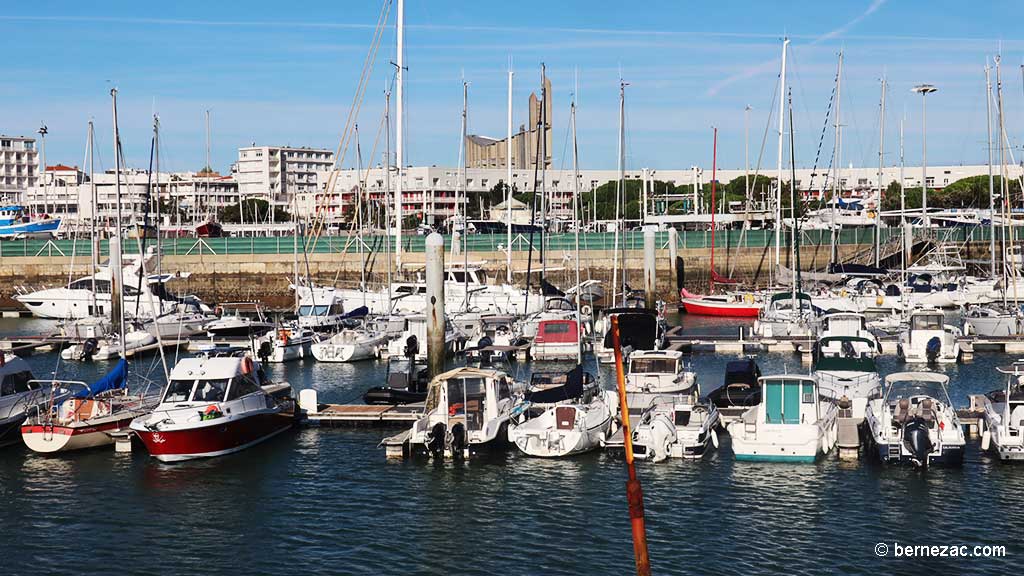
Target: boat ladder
x,y
894,451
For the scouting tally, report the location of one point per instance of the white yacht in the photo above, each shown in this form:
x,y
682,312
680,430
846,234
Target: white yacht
x,y
993,321
792,423
1002,429
415,332
320,307
467,409
675,425
787,314
912,420
108,347
349,345
285,344
846,375
239,320
928,338
561,415
656,372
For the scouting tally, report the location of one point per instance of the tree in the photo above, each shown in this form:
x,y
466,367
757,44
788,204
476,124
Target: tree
x,y
256,211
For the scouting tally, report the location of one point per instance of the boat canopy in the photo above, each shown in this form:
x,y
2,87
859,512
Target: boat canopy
x,y
571,386
851,339
114,380
845,364
789,295
638,328
357,313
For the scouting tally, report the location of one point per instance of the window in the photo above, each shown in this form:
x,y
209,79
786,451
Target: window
x,y
17,383
504,391
210,390
241,385
653,366
178,390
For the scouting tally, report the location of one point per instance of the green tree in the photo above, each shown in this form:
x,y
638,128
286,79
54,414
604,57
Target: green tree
x,y
255,211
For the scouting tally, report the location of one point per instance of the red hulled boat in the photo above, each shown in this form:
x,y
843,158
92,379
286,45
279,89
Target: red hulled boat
x,y
217,403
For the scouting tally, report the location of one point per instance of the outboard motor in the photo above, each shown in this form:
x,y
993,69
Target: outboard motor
x,y
89,348
412,346
435,444
459,440
917,441
264,351
933,348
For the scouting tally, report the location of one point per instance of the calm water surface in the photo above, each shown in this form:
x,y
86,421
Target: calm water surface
x,y
326,502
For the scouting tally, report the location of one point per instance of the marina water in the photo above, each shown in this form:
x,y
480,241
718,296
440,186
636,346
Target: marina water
x,y
325,501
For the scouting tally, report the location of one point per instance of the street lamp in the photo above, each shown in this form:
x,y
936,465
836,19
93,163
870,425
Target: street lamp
x,y
924,90
42,136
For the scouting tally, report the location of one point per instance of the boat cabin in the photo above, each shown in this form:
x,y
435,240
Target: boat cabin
x,y
1011,398
478,399
927,320
250,310
11,215
557,332
220,375
789,399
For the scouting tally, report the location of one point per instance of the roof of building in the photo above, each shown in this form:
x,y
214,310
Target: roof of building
x,y
61,168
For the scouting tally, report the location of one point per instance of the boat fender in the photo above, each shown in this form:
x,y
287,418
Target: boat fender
x,y
879,300
247,364
218,311
986,440
586,309
714,439
748,298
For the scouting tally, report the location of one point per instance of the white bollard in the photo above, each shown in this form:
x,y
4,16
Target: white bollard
x,y
435,303
650,270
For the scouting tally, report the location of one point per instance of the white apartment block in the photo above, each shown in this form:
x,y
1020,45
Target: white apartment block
x,y
276,173
68,194
433,191
19,166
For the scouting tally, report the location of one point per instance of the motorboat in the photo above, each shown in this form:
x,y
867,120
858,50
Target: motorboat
x,y
792,423
741,387
84,415
239,320
993,321
639,329
216,403
18,222
178,324
657,372
787,314
285,344
18,391
467,410
928,338
558,340
109,347
673,422
349,345
320,307
406,383
1002,429
561,414
555,308
913,420
851,324
415,332
846,371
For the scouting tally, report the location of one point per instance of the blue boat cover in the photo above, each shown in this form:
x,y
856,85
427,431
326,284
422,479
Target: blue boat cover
x,y
357,313
116,378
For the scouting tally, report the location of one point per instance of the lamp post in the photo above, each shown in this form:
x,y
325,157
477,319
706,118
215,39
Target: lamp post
x,y
924,90
42,137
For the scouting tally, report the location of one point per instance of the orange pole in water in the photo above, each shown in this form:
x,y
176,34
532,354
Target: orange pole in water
x,y
634,494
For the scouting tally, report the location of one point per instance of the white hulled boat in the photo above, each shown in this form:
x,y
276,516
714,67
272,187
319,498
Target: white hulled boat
x,y
928,338
792,423
285,344
349,345
913,420
19,391
561,415
467,409
239,320
1002,428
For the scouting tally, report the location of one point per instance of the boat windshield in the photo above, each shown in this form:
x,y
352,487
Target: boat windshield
x,y
899,390
926,322
318,310
179,391
210,390
466,398
652,366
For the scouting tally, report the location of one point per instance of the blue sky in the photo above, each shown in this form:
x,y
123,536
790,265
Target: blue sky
x,y
285,73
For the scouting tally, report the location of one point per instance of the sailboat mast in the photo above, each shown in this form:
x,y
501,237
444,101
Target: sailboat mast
x,y
359,214
156,157
714,176
387,188
463,161
792,210
907,242
778,177
399,112
93,239
1004,187
543,144
618,193
508,185
116,269
991,177
837,162
878,203
576,222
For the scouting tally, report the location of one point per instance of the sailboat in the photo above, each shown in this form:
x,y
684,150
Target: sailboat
x,y
81,415
563,414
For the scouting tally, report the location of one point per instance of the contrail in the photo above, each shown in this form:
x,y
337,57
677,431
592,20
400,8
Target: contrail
x,y
772,64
